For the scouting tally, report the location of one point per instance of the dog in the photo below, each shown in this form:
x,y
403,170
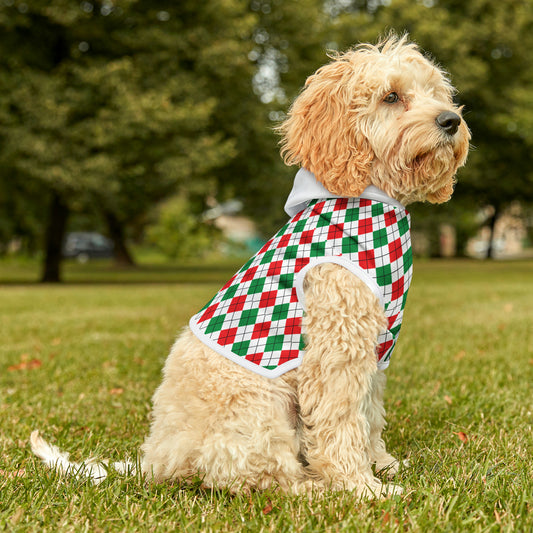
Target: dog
x,y
278,381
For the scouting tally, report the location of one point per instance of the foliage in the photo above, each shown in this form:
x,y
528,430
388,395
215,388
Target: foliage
x,y
115,106
120,105
81,364
178,232
107,111
286,47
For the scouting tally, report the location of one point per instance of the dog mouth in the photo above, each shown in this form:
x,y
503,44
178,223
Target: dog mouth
x,y
434,166
446,154
419,160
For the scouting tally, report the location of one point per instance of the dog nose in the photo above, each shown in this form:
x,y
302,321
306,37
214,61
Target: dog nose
x,y
449,122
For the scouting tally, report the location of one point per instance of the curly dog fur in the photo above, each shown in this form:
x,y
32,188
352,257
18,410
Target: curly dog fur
x,y
320,424
369,117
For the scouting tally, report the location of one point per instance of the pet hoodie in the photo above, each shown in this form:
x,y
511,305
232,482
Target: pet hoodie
x,y
256,318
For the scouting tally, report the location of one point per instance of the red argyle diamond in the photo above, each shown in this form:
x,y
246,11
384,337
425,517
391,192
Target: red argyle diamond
x,y
397,289
275,268
227,336
383,348
261,330
294,295
288,355
249,276
317,209
336,231
392,320
284,241
367,259
208,313
266,246
237,304
390,218
395,249
341,204
254,358
300,263
268,299
365,226
307,237
293,326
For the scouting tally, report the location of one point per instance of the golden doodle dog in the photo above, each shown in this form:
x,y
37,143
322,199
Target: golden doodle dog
x,y
279,379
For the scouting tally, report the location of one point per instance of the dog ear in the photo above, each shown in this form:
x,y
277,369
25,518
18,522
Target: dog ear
x,y
322,132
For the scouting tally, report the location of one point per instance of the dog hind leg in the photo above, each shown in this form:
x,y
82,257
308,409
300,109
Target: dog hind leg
x,y
215,419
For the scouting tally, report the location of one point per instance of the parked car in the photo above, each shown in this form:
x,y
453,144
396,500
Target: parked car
x,y
87,245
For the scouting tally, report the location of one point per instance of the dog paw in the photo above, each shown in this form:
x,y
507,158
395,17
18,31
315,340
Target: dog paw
x,y
380,490
393,490
389,466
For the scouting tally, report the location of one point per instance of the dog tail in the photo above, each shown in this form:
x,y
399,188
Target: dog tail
x,y
95,471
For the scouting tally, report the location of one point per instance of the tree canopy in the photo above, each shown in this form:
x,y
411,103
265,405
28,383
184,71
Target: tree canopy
x,y
112,106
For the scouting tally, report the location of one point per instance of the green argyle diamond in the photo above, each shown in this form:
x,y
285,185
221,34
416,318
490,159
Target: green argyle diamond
x,y
384,275
324,220
377,209
241,348
407,260
350,245
256,286
280,312
302,343
267,256
286,281
352,214
403,226
230,292
300,225
215,324
318,249
291,252
404,299
248,317
274,343
380,238
395,330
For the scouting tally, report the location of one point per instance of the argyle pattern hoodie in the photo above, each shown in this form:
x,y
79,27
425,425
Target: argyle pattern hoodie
x,y
256,318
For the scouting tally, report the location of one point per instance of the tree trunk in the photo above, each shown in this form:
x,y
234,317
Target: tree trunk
x,y
492,226
54,237
115,228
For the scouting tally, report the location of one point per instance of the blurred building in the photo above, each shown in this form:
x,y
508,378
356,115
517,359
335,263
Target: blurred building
x,y
510,237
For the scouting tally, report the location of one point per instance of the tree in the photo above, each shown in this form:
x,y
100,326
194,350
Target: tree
x,y
286,46
101,104
124,104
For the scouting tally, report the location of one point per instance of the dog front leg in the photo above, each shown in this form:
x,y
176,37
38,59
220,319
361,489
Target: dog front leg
x,y
343,321
379,456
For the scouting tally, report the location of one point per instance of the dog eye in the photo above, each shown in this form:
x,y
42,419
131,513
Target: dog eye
x,y
391,98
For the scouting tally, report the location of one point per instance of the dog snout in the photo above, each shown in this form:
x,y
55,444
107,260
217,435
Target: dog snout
x,y
448,121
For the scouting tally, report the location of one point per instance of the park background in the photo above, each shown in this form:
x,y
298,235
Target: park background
x,y
151,123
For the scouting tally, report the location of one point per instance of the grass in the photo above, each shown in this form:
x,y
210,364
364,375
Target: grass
x,y
81,361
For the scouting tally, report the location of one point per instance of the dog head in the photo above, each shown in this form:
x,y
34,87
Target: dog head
x,y
379,115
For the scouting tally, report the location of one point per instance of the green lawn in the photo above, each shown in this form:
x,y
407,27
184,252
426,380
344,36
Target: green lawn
x,y
80,362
